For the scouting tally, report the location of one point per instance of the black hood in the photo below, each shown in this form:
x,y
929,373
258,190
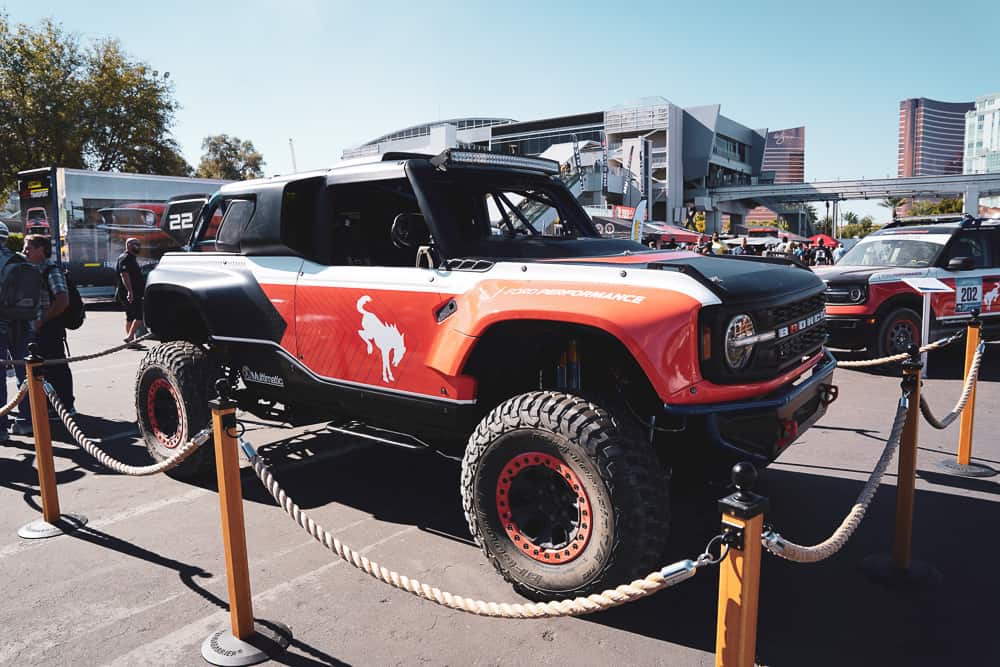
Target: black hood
x,y
753,280
857,274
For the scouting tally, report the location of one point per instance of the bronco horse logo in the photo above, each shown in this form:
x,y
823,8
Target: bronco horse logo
x,y
386,337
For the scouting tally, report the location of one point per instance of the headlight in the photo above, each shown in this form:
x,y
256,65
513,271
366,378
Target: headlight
x,y
856,294
739,342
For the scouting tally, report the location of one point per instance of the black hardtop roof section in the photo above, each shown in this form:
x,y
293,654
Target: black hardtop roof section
x,y
197,195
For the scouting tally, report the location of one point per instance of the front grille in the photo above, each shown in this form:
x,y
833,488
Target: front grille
x,y
781,354
806,343
787,313
796,332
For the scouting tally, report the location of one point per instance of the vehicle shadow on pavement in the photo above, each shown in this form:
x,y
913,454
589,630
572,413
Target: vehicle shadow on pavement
x,y
417,487
829,613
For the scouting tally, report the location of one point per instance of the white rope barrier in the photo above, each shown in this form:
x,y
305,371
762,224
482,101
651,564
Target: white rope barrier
x,y
970,383
902,356
640,588
109,461
21,393
779,546
85,357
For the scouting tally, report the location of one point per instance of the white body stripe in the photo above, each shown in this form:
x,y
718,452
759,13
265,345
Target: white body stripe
x,y
287,270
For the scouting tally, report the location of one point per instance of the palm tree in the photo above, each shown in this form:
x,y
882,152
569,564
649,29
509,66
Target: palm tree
x,y
893,203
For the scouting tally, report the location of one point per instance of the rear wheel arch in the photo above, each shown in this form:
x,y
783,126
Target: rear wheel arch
x,y
174,313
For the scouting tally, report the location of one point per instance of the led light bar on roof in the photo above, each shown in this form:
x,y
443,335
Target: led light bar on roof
x,y
488,159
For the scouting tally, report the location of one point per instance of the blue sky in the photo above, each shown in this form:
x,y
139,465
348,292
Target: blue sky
x,y
333,74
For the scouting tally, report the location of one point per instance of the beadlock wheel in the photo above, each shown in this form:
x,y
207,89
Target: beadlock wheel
x,y
544,508
563,497
173,386
165,413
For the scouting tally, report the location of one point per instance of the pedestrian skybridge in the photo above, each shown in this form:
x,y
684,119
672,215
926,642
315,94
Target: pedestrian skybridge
x,y
969,186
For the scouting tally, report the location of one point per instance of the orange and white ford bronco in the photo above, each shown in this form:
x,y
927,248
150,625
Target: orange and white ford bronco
x,y
465,302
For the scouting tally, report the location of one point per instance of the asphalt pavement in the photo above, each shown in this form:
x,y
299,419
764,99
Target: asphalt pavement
x,y
144,583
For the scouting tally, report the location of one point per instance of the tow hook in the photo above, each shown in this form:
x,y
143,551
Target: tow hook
x,y
828,393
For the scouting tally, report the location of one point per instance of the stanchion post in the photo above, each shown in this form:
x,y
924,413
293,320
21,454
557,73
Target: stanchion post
x,y
968,412
906,480
43,436
899,568
739,571
53,522
234,539
248,642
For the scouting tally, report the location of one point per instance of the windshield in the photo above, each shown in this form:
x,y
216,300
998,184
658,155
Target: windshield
x,y
525,212
895,251
489,206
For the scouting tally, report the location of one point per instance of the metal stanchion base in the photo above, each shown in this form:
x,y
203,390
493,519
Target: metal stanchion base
x,y
268,640
40,529
881,568
953,467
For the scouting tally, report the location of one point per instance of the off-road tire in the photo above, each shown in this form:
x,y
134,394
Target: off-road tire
x,y
172,389
625,485
898,317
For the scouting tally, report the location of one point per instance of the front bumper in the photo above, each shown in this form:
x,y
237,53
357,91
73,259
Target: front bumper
x,y
759,430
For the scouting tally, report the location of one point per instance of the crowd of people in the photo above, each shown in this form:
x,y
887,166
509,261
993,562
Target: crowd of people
x,y
46,327
811,255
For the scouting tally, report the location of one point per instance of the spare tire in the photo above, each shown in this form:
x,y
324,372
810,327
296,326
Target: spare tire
x,y
172,390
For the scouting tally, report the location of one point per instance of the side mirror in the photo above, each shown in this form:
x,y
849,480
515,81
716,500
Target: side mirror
x,y
961,264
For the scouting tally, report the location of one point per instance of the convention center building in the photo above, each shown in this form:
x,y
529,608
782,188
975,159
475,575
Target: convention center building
x,y
614,157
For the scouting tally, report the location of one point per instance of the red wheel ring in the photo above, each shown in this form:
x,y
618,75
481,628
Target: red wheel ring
x,y
158,385
581,535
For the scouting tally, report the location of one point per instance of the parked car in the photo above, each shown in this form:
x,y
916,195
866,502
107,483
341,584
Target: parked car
x,y
571,373
869,304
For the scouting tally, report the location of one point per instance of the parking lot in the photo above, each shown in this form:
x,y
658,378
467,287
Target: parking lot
x,y
145,582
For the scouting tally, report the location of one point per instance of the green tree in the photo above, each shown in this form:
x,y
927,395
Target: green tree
x,y
130,108
66,104
230,158
825,226
859,229
945,206
893,203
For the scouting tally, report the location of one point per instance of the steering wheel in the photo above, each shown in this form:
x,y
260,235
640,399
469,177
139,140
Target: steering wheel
x,y
409,230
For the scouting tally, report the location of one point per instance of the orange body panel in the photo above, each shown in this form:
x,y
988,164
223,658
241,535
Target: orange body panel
x,y
657,326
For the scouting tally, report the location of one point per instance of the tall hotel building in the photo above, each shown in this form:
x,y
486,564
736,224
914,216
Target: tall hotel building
x,y
931,137
785,157
982,140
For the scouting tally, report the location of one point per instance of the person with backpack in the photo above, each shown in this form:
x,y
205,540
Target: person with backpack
x,y
821,255
131,287
15,297
50,327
